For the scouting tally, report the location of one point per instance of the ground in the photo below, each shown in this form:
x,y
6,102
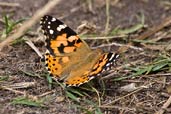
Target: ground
x,y
139,84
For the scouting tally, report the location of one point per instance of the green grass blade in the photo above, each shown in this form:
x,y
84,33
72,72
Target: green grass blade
x,y
27,101
159,67
72,96
4,78
49,79
131,29
75,91
6,24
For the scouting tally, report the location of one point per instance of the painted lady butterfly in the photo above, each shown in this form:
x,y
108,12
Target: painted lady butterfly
x,y
68,58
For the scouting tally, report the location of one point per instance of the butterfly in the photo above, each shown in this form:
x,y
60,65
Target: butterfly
x,y
69,58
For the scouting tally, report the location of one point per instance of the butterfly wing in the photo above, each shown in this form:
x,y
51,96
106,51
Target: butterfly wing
x,y
63,46
104,63
60,39
69,58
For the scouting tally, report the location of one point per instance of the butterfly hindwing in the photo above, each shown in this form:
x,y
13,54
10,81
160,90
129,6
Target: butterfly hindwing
x,y
104,63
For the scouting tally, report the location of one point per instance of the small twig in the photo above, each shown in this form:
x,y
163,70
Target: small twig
x,y
26,25
9,4
118,107
29,42
155,29
90,5
162,74
165,105
123,97
139,89
17,92
24,93
155,47
103,38
21,85
46,93
13,90
107,16
99,100
118,44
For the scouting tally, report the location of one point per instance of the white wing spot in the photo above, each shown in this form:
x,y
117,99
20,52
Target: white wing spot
x,y
108,64
49,22
53,19
60,27
47,51
113,55
48,26
117,56
91,78
51,31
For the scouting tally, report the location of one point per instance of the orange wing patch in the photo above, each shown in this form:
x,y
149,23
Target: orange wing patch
x,y
77,80
53,65
63,44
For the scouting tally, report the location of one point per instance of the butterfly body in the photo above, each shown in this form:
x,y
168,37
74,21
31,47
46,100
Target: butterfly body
x,y
68,58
